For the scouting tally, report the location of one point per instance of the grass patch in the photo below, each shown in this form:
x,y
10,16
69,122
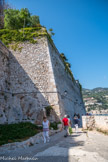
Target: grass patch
x,y
17,132
102,131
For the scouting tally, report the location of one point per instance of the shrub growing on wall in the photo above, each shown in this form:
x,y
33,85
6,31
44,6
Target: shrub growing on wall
x,y
48,110
20,35
67,65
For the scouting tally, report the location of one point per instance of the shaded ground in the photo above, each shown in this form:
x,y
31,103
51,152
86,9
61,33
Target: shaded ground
x,y
76,148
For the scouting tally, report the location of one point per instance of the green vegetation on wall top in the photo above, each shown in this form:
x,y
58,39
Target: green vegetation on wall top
x,y
21,26
20,35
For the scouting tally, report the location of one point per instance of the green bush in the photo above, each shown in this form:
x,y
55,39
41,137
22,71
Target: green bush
x,y
48,110
16,19
53,125
16,36
67,66
17,132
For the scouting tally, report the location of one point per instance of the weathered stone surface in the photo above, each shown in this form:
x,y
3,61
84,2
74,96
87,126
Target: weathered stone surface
x,y
35,78
94,122
2,117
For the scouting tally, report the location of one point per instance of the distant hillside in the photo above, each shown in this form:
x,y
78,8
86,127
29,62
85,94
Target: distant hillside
x,y
96,99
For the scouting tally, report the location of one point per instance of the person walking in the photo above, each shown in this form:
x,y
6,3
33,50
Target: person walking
x,y
46,125
65,124
76,121
79,120
70,123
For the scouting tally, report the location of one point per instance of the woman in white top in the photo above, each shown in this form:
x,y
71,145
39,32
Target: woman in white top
x,y
46,125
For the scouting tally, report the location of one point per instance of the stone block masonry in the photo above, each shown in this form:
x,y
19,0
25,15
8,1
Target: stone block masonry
x,y
95,122
32,79
72,102
4,75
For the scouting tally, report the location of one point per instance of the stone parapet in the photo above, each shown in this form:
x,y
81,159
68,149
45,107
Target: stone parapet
x,y
95,122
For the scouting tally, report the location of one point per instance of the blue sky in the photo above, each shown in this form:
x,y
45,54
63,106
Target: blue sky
x,y
81,32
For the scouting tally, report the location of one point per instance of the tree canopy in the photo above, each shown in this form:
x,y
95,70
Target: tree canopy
x,y
16,19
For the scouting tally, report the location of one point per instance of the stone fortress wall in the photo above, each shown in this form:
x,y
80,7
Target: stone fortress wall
x,y
32,79
95,122
72,102
4,75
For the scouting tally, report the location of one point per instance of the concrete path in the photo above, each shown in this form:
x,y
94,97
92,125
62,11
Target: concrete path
x,y
76,148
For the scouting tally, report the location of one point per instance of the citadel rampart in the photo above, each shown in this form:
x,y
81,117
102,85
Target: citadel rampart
x,y
34,78
95,122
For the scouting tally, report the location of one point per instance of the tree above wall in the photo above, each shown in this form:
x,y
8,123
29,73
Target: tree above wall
x,y
16,19
3,5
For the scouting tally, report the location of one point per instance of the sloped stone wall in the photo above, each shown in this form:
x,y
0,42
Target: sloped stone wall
x,y
4,84
4,70
72,102
28,78
34,78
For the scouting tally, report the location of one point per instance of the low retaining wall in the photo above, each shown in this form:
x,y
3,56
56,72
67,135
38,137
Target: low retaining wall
x,y
94,122
38,138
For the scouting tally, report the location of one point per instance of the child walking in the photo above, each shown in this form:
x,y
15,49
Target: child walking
x,y
46,125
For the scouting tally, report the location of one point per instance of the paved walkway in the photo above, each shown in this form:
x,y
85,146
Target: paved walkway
x,y
76,148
